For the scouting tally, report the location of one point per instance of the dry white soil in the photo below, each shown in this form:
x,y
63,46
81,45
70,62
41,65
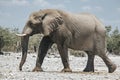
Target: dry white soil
x,y
52,66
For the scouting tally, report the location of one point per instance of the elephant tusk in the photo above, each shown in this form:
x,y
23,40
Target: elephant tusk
x,y
21,35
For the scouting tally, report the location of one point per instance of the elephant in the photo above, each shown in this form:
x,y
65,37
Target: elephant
x,y
82,31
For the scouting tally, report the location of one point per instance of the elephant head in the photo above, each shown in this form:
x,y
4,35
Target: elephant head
x,y
46,22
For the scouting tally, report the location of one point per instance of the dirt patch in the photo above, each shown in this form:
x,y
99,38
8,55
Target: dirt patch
x,y
52,67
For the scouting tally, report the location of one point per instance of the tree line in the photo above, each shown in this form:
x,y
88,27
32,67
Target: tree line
x,y
12,42
113,40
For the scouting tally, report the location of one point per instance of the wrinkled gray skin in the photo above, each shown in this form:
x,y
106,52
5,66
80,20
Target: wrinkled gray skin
x,y
76,31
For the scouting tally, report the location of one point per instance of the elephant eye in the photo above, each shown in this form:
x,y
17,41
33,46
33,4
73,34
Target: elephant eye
x,y
36,18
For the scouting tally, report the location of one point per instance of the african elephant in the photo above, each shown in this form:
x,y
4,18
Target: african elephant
x,y
68,30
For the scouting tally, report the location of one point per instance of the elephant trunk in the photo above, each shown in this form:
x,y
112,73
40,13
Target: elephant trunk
x,y
24,45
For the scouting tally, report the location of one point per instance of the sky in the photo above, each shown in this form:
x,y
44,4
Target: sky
x,y
15,13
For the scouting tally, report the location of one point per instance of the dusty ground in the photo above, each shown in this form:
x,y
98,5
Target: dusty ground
x,y
52,67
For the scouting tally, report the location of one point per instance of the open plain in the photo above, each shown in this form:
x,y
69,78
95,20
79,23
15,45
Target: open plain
x,y
52,65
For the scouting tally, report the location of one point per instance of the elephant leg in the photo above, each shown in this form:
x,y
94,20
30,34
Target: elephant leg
x,y
64,56
90,62
45,44
111,66
100,50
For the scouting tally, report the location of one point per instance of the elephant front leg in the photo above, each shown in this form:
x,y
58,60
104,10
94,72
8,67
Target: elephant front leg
x,y
64,56
45,44
90,63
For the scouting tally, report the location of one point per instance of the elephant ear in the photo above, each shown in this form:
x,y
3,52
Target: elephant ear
x,y
56,22
51,23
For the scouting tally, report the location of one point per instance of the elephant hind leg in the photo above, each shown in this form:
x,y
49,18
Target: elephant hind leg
x,y
100,51
90,62
111,66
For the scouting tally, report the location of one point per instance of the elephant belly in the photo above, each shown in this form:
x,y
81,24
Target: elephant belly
x,y
84,44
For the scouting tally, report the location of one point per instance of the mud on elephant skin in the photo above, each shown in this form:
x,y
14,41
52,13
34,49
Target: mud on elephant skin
x,y
68,30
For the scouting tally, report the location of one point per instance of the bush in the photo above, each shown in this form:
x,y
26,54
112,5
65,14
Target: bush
x,y
113,40
9,37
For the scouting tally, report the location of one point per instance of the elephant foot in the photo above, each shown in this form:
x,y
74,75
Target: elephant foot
x,y
66,70
37,69
112,68
20,67
88,70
